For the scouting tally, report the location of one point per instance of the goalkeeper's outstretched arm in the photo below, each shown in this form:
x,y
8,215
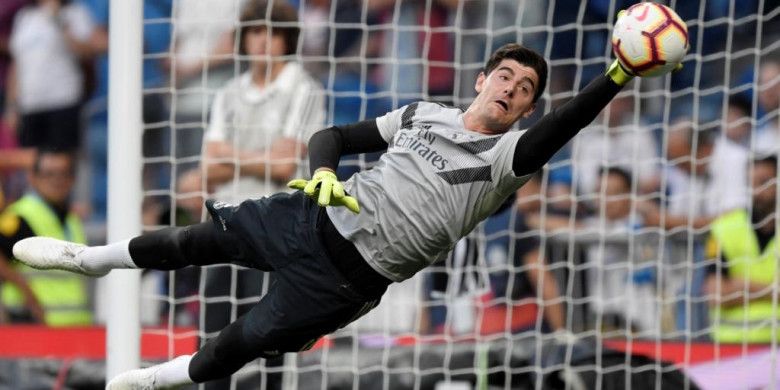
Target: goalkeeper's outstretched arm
x,y
533,150
555,129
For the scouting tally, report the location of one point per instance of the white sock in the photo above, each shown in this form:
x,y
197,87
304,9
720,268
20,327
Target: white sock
x,y
107,257
174,372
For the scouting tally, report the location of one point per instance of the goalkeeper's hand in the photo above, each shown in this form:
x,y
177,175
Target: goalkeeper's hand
x,y
326,188
620,75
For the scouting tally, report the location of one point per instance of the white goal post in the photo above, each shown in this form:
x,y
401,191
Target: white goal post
x,y
125,192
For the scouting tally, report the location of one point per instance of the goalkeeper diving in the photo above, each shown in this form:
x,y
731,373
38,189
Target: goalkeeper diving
x,y
336,247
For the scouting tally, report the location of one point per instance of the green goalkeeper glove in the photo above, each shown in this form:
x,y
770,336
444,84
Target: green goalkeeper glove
x,y
326,188
621,76
618,74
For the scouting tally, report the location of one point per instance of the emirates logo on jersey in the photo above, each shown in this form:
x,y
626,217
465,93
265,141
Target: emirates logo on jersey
x,y
420,140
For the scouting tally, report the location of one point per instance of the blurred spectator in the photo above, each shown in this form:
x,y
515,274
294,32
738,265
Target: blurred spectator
x,y
738,128
262,119
315,15
419,49
499,18
705,177
539,201
355,96
11,180
204,36
621,292
742,281
616,141
506,294
56,298
202,62
453,288
48,43
8,9
768,135
769,93
14,162
316,25
520,279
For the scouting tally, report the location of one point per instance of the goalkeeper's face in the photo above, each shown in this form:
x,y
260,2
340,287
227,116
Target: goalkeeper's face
x,y
504,96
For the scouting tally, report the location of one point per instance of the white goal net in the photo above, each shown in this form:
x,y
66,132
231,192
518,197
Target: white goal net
x,y
606,270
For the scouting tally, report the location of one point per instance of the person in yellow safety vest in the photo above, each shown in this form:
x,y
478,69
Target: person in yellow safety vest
x,y
741,286
55,298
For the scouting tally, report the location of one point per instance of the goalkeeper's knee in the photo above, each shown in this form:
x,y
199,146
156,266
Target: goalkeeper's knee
x,y
223,355
164,249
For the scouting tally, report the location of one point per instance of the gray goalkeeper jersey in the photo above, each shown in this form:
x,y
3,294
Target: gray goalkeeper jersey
x,y
436,182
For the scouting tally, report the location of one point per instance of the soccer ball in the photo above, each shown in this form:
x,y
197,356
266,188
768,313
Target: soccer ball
x,y
649,39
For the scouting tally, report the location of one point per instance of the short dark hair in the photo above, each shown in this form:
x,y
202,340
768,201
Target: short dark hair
x,y
265,13
701,135
704,137
41,152
524,56
617,171
770,159
741,103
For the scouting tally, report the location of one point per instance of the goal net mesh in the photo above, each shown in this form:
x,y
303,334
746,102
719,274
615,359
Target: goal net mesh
x,y
598,271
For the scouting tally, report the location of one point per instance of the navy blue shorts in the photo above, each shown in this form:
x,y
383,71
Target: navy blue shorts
x,y
310,297
58,128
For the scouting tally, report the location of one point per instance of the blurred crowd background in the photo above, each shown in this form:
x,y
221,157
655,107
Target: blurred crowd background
x,y
626,230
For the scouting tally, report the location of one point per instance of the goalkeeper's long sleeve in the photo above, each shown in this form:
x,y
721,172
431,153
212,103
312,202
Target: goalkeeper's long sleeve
x,y
327,146
555,129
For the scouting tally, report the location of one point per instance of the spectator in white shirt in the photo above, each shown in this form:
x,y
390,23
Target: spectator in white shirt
x,y
261,120
204,35
203,62
621,288
705,177
46,82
